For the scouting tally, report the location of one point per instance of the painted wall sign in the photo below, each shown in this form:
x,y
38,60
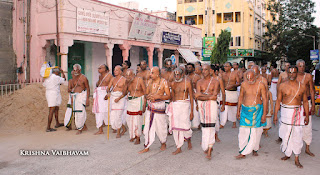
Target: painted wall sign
x,y
143,27
93,22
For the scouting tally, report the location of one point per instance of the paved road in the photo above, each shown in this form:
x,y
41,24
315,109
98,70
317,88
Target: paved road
x,y
119,156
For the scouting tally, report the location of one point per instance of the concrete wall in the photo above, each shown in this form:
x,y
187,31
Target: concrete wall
x,y
7,56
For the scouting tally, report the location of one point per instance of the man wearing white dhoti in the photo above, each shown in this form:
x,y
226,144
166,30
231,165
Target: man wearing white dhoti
x,y
136,105
117,89
207,90
252,109
231,82
307,80
53,96
78,100
155,121
290,95
194,79
221,98
100,105
180,110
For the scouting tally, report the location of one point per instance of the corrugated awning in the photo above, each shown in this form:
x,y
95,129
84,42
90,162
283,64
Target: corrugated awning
x,y
188,55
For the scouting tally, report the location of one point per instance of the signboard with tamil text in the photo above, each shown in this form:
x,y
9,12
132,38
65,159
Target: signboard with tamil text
x,y
171,38
93,22
143,27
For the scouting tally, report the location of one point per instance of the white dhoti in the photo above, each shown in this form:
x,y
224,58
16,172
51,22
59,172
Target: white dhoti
x,y
307,129
268,119
249,139
124,114
53,98
69,114
179,117
273,88
100,106
78,110
116,110
290,130
155,123
134,116
196,118
208,115
230,111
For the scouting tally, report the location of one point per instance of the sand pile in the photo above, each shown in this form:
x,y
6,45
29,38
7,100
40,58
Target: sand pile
x,y
27,110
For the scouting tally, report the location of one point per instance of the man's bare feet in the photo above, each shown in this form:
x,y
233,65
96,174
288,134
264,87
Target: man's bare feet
x,y
209,154
285,158
79,132
308,151
265,132
118,133
144,150
85,128
114,131
69,129
124,129
137,141
217,138
99,132
279,140
240,156
221,126
297,162
131,140
255,153
234,125
163,147
189,144
177,151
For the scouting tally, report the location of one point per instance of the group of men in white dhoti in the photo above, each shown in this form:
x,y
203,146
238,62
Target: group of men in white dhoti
x,y
200,97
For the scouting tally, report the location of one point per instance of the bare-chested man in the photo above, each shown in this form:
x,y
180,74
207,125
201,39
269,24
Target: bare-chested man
x,y
167,72
221,98
155,121
117,89
138,70
194,79
144,73
125,66
207,90
307,80
180,110
290,95
284,75
253,107
136,105
198,71
79,99
100,105
265,75
231,82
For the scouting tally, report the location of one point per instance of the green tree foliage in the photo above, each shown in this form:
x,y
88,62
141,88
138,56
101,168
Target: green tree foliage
x,y
285,36
221,48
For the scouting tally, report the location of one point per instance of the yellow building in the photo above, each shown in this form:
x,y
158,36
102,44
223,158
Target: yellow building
x,y
245,19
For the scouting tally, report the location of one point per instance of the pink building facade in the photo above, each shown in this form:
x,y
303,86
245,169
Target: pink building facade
x,y
92,33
